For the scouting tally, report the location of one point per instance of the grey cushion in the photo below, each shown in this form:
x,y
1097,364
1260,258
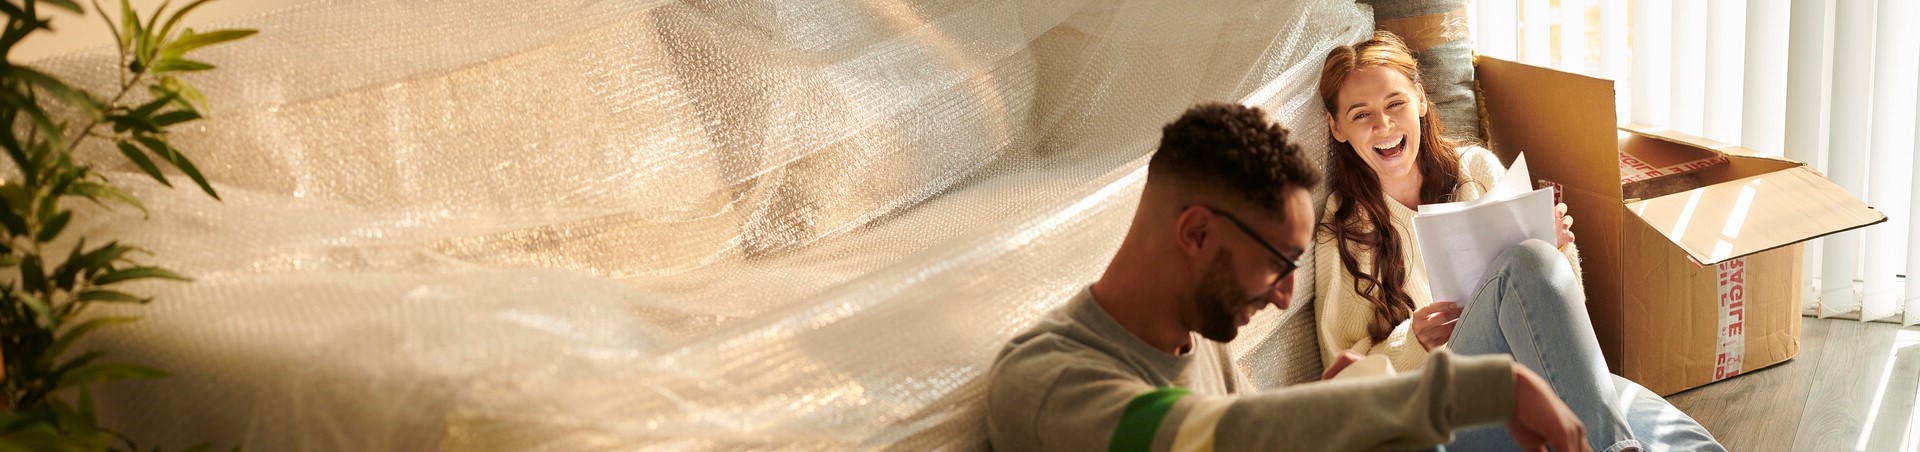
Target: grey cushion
x,y
1436,31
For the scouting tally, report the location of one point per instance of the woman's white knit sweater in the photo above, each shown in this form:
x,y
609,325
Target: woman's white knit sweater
x,y
1343,315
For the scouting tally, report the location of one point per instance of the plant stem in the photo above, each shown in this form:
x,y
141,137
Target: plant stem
x,y
125,87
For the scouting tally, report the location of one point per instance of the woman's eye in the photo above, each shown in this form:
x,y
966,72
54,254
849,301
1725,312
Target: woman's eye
x,y
1396,105
1361,116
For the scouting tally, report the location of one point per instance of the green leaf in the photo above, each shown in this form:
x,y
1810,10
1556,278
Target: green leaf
x,y
123,123
17,153
191,41
86,404
54,225
167,65
167,30
175,117
59,89
145,164
68,5
71,335
137,273
98,259
101,373
43,314
108,19
191,98
153,23
16,195
65,273
10,215
36,114
129,26
96,191
32,277
76,362
179,161
111,296
145,111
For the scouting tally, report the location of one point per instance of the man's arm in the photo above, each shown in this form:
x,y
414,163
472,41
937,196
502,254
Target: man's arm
x,y
1090,406
1408,411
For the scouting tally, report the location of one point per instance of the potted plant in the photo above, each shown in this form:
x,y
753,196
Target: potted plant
x,y
44,289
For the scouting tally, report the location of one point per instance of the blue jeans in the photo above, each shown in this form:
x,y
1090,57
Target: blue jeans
x,y
1530,307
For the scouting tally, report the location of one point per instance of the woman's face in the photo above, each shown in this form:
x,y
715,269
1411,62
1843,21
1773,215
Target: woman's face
x,y
1378,112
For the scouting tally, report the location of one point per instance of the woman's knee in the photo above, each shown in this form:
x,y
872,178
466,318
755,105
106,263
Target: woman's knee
x,y
1532,253
1535,260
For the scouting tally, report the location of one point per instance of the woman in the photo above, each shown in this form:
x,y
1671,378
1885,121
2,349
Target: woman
x,y
1387,158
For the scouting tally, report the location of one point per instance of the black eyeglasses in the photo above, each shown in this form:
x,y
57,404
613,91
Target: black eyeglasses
x,y
1287,264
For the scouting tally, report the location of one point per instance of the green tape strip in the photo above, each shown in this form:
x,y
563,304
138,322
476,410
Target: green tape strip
x,y
1141,420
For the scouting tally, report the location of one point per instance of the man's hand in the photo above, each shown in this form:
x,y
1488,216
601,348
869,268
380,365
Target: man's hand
x,y
1346,358
1540,419
1565,224
1433,323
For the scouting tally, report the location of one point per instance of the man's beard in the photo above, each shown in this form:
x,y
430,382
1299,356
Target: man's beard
x,y
1217,297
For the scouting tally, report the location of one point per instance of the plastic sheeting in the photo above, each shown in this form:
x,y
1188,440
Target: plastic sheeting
x,y
600,225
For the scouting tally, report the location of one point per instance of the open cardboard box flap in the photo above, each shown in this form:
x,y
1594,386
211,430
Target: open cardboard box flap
x,y
1573,134
1661,319
1752,204
1727,220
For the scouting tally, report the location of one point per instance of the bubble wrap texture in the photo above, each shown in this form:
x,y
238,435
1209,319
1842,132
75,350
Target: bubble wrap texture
x,y
600,225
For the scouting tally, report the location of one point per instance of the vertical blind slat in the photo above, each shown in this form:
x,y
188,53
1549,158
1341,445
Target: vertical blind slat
x,y
1912,304
1652,45
1573,36
1615,60
1495,28
1689,66
1764,103
1725,70
1810,64
1889,154
1536,39
1847,143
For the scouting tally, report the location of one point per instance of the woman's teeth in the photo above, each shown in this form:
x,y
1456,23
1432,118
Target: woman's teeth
x,y
1391,149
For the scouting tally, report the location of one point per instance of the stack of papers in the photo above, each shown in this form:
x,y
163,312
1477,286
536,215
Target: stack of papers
x,y
1459,240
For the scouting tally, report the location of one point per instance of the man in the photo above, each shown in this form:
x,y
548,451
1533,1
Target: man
x,y
1221,226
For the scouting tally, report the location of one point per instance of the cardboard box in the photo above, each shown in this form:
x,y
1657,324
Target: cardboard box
x,y
1689,283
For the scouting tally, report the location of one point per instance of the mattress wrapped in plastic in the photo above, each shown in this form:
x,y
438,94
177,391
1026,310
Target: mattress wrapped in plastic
x,y
614,225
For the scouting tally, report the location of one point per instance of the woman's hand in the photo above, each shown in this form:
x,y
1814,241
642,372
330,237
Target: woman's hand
x,y
1433,323
1565,221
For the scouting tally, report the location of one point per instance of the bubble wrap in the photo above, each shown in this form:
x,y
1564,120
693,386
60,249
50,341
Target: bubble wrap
x,y
615,225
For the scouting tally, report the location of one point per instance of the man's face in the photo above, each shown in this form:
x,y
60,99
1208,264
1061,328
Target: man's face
x,y
1246,277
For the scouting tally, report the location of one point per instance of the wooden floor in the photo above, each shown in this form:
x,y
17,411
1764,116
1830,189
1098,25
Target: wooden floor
x,y
1852,388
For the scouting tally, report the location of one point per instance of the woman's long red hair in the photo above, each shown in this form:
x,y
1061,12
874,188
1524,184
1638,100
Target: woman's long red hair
x,y
1362,223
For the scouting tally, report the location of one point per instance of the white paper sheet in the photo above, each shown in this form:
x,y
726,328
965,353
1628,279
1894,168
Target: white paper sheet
x,y
1459,240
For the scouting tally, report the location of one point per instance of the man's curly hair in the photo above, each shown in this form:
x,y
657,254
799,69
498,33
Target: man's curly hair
x,y
1233,147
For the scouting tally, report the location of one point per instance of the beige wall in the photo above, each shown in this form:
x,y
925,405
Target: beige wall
x,y
73,32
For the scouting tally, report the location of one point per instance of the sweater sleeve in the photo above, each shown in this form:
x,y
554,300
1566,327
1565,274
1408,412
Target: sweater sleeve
x,y
1412,410
1572,252
1343,315
1089,405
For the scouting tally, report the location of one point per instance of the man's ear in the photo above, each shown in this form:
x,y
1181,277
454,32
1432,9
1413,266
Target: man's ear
x,y
1335,129
1191,229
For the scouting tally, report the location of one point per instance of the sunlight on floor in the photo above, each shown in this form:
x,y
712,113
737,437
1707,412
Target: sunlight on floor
x,y
1897,375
